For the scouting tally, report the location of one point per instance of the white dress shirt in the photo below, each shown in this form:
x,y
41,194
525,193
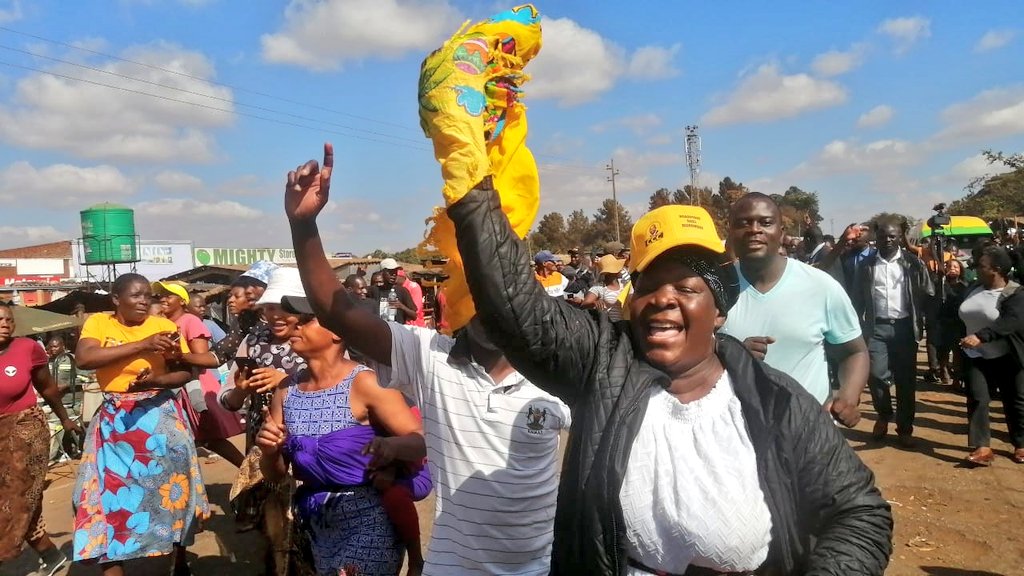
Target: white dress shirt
x,y
888,289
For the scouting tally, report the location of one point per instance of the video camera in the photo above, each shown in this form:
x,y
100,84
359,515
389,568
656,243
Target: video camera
x,y
936,222
939,219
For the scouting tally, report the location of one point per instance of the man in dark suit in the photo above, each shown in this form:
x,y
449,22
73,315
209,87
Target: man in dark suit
x,y
891,292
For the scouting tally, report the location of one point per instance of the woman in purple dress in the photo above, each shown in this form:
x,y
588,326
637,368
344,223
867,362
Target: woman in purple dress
x,y
330,429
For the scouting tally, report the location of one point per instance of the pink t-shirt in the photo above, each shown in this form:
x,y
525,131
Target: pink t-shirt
x,y
416,291
16,364
191,327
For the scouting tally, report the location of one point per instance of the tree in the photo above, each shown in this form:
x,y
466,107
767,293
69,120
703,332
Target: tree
x,y
552,230
999,196
603,227
680,196
577,229
727,185
796,205
659,198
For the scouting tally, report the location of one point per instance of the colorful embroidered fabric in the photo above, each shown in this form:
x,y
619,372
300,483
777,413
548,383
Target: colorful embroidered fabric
x,y
469,104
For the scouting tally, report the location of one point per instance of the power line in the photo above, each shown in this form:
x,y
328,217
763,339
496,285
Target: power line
x,y
193,77
209,107
562,166
203,95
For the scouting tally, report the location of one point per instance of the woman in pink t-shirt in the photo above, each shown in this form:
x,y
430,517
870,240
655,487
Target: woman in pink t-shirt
x,y
25,444
215,424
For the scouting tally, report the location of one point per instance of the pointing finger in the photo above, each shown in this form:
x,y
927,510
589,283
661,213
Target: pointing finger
x,y
328,155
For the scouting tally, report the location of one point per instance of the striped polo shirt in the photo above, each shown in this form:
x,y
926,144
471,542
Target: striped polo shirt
x,y
493,454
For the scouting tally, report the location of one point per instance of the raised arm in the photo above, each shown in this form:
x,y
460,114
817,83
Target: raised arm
x,y
546,339
306,194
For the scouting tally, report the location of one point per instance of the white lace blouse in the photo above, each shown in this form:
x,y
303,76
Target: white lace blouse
x,y
691,494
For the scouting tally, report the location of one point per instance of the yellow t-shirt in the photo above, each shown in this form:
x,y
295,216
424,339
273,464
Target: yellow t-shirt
x,y
116,376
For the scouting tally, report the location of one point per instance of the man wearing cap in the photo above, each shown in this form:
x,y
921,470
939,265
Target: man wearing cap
x,y
546,267
788,311
492,436
398,307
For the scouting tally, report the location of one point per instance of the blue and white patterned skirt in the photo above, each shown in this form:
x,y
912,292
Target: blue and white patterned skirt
x,y
349,531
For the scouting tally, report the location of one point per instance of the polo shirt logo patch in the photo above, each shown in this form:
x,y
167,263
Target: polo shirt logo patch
x,y
535,418
10,371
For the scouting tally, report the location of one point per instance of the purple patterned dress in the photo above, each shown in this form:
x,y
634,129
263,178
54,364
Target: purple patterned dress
x,y
347,527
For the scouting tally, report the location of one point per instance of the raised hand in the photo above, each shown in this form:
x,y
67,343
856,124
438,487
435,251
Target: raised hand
x,y
308,187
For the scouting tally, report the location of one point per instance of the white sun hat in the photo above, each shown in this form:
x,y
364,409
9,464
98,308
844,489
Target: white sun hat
x,y
283,282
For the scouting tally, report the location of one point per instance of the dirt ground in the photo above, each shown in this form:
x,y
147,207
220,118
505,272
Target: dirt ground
x,y
950,520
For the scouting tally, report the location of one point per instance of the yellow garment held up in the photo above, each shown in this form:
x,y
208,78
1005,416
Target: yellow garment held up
x,y
469,105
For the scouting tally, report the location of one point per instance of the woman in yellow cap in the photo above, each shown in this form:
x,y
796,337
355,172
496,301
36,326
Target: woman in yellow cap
x,y
688,455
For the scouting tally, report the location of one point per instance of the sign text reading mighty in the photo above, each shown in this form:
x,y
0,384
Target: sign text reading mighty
x,y
242,256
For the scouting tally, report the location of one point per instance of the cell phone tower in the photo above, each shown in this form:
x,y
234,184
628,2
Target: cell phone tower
x,y
692,147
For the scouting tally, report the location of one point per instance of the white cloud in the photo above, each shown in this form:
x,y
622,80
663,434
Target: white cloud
x,y
174,181
876,117
639,124
565,189
63,185
189,207
836,62
11,12
991,114
976,166
638,162
16,236
216,223
578,65
846,156
90,121
905,32
994,39
653,63
323,35
768,95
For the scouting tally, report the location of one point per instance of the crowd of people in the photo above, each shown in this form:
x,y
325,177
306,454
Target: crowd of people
x,y
703,415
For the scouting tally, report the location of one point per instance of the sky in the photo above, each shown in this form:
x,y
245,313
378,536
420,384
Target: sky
x,y
192,111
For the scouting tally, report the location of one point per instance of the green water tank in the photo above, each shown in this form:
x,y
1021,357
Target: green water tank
x,y
108,234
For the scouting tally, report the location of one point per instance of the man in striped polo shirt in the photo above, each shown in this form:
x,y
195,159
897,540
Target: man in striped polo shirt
x,y
492,436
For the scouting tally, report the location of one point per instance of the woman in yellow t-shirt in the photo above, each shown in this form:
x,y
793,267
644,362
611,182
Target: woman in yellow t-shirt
x,y
139,490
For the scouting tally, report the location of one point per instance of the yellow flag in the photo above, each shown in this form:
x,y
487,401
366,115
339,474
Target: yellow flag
x,y
469,105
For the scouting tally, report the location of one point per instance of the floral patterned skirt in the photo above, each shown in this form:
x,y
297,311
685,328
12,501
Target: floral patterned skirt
x,y
24,451
139,489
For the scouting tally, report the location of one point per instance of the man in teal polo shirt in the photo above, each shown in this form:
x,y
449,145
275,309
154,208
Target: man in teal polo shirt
x,y
787,311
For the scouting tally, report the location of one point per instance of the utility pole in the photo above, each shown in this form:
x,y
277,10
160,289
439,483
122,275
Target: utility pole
x,y
611,168
692,150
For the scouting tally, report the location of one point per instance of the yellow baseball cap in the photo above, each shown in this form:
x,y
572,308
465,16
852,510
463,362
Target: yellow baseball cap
x,y
669,227
171,288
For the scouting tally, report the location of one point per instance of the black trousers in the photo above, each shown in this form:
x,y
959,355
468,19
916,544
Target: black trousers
x,y
987,378
892,348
